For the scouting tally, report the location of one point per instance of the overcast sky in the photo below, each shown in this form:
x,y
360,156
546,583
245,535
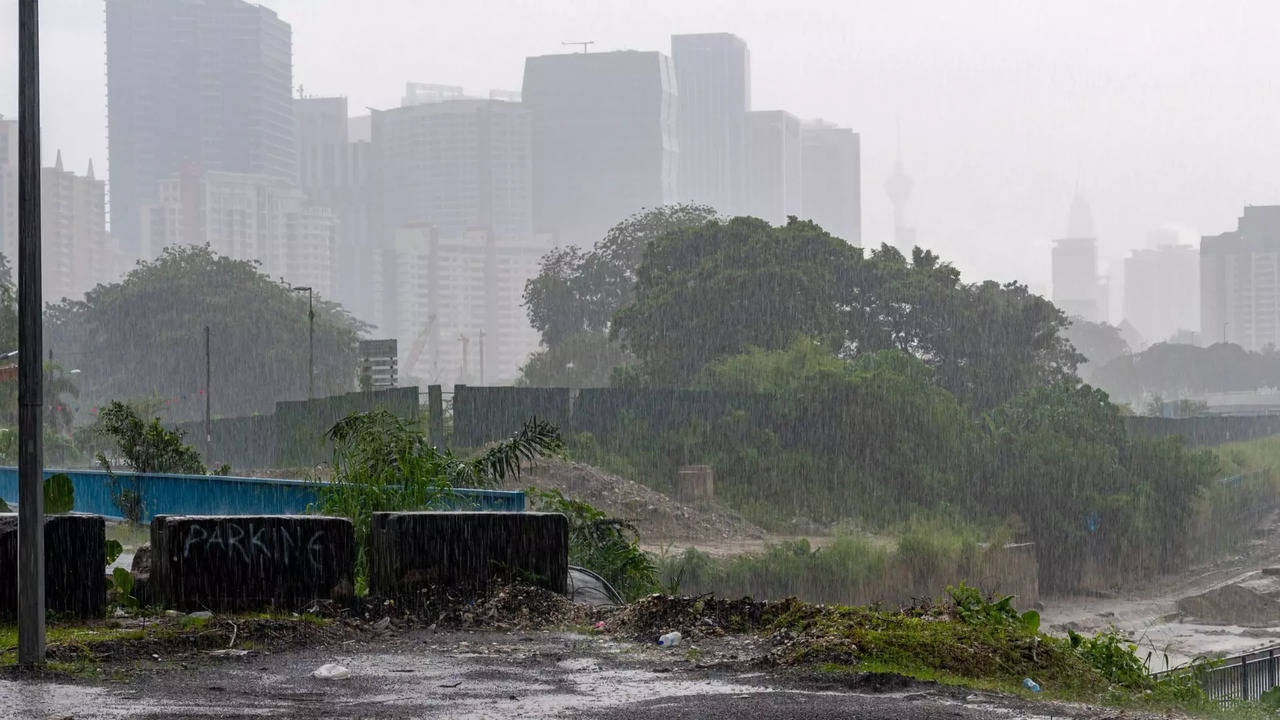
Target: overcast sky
x,y
1161,112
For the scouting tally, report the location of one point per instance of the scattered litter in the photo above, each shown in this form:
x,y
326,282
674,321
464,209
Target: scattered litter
x,y
331,671
1031,685
600,625
119,613
670,639
229,652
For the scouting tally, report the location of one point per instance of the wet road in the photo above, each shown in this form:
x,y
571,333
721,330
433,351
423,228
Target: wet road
x,y
495,677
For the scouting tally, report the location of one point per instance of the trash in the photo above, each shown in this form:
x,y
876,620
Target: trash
x,y
600,625
1031,685
331,671
200,615
670,639
382,624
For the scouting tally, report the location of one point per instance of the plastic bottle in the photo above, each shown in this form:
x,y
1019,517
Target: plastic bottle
x,y
1030,684
670,639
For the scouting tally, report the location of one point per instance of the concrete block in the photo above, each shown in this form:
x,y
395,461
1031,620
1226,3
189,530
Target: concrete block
x,y
411,551
232,563
695,484
75,564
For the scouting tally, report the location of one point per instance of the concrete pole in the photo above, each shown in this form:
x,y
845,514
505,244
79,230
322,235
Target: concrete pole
x,y
31,639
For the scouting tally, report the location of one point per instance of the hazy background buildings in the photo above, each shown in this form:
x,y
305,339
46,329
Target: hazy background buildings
x,y
207,121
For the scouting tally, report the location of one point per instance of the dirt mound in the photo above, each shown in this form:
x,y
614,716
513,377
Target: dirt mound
x,y
504,607
1233,604
656,516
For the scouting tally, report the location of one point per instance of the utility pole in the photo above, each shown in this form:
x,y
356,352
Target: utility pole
x,y
31,639
311,343
583,43
208,373
481,358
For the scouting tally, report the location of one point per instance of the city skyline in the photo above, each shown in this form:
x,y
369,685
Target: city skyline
x,y
992,166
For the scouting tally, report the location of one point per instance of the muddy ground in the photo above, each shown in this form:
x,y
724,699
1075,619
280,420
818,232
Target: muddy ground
x,y
428,674
1149,614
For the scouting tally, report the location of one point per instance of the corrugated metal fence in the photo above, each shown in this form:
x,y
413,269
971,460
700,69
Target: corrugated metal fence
x,y
1242,677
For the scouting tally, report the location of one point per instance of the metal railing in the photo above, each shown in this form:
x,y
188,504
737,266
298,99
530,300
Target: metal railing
x,y
1241,677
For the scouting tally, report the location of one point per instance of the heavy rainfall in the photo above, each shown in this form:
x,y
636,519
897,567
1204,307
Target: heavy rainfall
x,y
617,360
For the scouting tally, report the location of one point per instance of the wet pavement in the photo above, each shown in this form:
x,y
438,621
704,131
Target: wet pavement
x,y
492,676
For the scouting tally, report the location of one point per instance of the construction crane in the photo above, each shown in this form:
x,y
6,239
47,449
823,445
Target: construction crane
x,y
420,343
583,43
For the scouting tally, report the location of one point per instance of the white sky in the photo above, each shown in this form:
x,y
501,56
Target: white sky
x,y
1162,112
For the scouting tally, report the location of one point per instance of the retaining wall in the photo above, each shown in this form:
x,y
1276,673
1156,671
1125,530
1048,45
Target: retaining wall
x,y
75,565
173,494
411,552
237,563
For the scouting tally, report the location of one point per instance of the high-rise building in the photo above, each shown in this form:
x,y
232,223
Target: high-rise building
x,y
898,186
457,306
1240,281
1162,290
75,252
1077,289
457,165
832,187
774,166
9,189
416,93
203,83
604,139
713,80
334,172
247,217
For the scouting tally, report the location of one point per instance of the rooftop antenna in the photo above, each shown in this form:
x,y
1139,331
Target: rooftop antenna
x,y
583,43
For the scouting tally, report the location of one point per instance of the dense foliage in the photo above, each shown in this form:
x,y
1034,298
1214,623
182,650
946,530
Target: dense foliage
x,y
576,293
713,291
146,446
144,335
381,463
1174,371
875,440
605,545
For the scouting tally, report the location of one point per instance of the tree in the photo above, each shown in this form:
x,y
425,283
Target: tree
x,y
576,293
713,291
1098,343
144,335
1175,371
146,446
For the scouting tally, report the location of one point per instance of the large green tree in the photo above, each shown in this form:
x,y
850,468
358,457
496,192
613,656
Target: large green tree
x,y
576,293
144,335
708,292
1097,343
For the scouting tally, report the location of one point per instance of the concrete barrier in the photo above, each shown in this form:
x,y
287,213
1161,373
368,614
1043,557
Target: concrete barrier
x,y
235,563
413,551
74,567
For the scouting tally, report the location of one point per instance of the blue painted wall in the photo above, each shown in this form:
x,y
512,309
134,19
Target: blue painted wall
x,y
215,495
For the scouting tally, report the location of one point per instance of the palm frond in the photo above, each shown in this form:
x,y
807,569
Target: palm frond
x,y
537,438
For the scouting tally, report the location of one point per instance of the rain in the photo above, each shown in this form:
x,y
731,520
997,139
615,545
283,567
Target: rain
x,y
589,360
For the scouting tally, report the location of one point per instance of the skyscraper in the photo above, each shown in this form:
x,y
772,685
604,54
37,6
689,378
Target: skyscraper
x,y
832,187
457,164
604,139
713,81
774,166
1077,289
247,217
898,186
1162,289
334,172
193,82
75,250
1240,281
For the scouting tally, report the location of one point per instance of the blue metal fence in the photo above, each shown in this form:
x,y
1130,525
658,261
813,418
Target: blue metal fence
x,y
165,494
